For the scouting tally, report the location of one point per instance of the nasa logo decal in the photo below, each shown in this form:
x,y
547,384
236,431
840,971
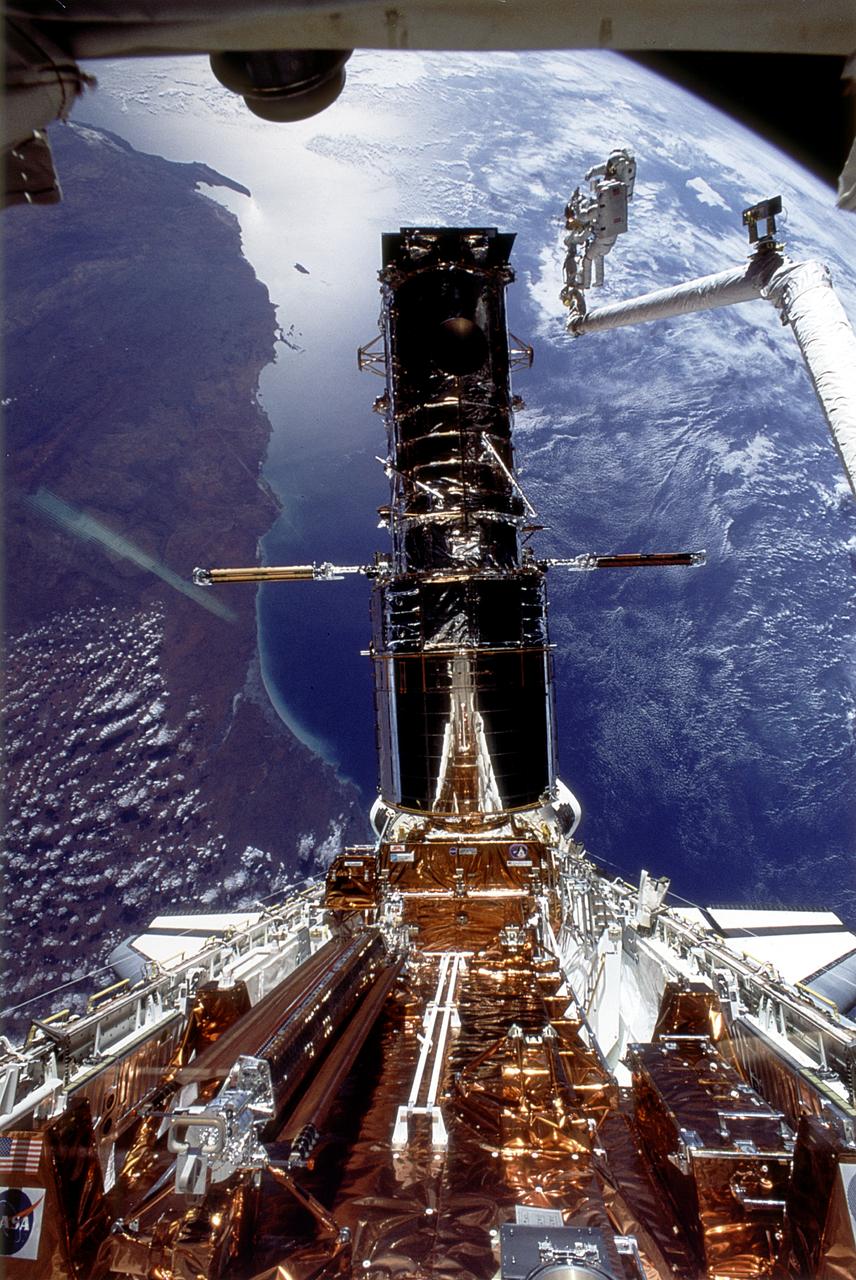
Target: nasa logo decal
x,y
20,1222
517,852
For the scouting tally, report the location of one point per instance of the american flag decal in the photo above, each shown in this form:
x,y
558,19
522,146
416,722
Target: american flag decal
x,y
21,1153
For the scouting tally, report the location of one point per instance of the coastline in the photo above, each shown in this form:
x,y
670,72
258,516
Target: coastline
x,y
319,746
147,769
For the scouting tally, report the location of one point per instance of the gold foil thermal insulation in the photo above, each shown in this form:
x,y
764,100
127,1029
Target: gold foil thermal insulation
x,y
117,1093
284,1234
70,1145
182,1241
718,1148
445,923
741,1209
521,1113
215,1010
459,895
351,882
516,1134
476,865
689,1009
199,1242
636,1203
274,1273
53,1200
429,1212
819,1234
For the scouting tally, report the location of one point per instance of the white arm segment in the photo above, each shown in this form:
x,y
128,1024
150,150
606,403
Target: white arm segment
x,y
804,295
740,284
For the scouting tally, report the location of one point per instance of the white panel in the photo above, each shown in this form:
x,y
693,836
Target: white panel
x,y
795,957
216,921
165,948
750,918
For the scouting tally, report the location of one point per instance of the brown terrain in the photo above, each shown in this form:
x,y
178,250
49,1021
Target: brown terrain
x,y
145,768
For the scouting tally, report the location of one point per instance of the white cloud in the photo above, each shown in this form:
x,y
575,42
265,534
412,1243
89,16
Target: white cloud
x,y
706,193
748,462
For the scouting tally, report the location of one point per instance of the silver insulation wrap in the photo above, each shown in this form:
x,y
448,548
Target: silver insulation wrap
x,y
805,297
738,284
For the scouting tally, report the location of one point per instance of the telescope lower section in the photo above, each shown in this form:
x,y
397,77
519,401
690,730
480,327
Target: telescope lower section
x,y
463,690
465,732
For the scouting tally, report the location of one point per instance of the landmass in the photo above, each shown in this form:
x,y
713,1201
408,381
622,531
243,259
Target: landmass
x,y
146,770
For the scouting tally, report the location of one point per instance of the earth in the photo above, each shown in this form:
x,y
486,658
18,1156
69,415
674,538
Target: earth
x,y
144,766
706,717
